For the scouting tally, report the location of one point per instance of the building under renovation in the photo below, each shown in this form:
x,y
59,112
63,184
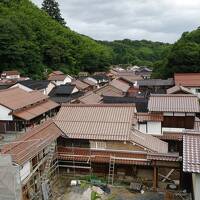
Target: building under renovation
x,y
92,139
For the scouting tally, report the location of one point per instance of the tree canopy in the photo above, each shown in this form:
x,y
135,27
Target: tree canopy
x,y
52,8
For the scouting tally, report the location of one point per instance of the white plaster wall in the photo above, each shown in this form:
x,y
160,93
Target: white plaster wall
x,y
4,113
196,185
142,128
13,76
49,88
164,129
22,87
67,80
25,170
154,128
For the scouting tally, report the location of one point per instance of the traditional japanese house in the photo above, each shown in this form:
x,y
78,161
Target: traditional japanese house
x,y
20,109
35,154
191,162
155,86
179,111
178,89
101,139
43,86
188,80
60,79
14,74
65,93
82,86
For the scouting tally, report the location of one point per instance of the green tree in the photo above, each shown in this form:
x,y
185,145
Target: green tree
x,y
52,8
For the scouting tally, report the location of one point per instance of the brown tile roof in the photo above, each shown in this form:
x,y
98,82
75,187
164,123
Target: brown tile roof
x,y
141,117
90,98
178,88
109,90
173,103
10,73
148,141
171,136
131,79
164,157
191,152
187,79
36,110
56,73
105,122
98,122
16,98
80,84
120,85
89,82
30,143
60,77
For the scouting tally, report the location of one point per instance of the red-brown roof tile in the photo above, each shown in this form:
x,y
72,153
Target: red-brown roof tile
x,y
187,79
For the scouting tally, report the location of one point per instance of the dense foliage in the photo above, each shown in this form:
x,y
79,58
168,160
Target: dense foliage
x,y
52,8
183,57
138,52
32,42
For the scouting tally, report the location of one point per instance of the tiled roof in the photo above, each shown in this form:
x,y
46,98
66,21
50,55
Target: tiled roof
x,y
33,141
191,152
35,84
89,82
16,98
105,122
141,117
173,103
36,110
187,79
120,85
98,122
56,73
109,90
178,88
10,73
176,136
164,157
66,89
60,77
90,98
156,82
80,84
131,79
148,141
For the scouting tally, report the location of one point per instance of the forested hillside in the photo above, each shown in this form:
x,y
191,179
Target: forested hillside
x,y
138,52
183,57
32,41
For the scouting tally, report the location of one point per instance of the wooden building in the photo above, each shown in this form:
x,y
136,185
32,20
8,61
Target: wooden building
x,y
20,110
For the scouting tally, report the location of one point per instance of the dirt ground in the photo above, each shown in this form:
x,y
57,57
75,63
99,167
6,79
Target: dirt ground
x,y
63,191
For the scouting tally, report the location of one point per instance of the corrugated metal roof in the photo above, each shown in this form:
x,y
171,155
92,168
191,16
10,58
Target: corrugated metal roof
x,y
191,152
36,110
120,85
173,103
33,141
187,79
16,98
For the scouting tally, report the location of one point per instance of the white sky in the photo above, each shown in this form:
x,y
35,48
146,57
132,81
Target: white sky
x,y
156,20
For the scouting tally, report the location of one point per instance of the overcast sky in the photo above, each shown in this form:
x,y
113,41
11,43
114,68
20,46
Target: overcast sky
x,y
156,20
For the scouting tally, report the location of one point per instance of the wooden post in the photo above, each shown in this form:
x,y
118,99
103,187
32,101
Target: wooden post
x,y
155,177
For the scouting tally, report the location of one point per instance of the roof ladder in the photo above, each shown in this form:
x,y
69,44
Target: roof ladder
x,y
111,170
